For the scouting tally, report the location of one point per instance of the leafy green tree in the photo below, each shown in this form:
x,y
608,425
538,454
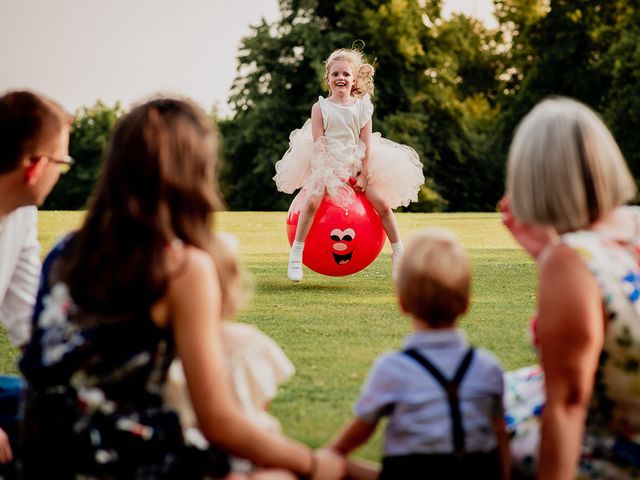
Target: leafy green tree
x,y
271,96
515,19
462,104
566,53
89,132
281,75
583,49
426,89
621,107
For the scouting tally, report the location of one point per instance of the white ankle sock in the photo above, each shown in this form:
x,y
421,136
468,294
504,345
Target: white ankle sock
x,y
294,270
297,248
397,248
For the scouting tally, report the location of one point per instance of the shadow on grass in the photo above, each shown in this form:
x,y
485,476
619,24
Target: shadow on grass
x,y
279,286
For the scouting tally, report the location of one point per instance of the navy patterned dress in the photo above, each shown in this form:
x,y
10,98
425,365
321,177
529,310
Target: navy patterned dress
x,y
94,405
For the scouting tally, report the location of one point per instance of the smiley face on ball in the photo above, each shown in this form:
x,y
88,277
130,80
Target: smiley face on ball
x,y
342,247
341,241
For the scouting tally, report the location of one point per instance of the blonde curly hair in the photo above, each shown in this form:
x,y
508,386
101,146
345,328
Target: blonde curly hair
x,y
362,71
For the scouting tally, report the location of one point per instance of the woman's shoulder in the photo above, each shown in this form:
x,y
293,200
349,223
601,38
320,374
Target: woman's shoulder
x,y
190,279
188,261
560,255
567,284
178,252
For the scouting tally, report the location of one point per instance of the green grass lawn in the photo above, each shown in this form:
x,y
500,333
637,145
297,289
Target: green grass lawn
x,y
333,328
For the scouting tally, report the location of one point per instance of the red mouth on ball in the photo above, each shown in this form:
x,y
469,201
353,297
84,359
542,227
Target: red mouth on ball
x,y
342,259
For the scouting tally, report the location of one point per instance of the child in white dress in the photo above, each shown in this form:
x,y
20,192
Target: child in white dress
x,y
256,367
337,144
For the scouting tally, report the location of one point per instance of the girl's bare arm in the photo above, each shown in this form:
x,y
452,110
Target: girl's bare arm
x,y
194,302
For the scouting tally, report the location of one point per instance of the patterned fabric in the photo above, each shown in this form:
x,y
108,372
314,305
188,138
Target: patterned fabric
x,y
94,406
524,400
611,446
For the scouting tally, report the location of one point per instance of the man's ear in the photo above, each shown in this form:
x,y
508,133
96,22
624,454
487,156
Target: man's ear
x,y
33,169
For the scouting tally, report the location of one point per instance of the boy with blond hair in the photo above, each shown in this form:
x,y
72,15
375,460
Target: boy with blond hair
x,y
443,399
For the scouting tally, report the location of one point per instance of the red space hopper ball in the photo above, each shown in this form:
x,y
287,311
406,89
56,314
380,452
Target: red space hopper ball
x,y
340,242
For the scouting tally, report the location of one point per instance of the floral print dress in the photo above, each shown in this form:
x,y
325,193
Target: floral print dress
x,y
94,407
611,445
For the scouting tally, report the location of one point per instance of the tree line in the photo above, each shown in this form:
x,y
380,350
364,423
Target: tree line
x,y
451,88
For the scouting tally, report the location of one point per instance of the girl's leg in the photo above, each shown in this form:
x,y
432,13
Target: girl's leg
x,y
374,195
307,213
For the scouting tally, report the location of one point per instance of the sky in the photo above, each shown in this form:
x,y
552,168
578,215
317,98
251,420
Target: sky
x,y
81,51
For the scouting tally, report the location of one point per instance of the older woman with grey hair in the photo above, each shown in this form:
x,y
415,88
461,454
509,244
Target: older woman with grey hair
x,y
567,184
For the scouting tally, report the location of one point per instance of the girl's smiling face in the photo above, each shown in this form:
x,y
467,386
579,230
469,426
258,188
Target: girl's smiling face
x,y
340,78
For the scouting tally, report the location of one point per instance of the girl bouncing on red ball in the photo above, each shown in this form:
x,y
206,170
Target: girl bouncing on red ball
x,y
337,144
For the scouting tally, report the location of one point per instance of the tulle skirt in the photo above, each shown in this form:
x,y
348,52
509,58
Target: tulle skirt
x,y
326,166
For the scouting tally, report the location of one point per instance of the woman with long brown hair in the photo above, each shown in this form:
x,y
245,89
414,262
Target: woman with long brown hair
x,y
144,278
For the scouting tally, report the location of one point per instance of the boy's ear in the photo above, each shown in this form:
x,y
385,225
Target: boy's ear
x,y
402,306
467,303
33,169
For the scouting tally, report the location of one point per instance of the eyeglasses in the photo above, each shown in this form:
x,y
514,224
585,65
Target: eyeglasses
x,y
64,164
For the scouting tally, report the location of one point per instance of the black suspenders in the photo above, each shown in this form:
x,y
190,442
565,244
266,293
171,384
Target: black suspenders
x,y
451,387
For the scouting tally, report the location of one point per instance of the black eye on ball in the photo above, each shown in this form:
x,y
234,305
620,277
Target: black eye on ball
x,y
347,238
335,238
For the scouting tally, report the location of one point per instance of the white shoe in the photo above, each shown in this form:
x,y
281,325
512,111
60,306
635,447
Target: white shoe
x,y
294,271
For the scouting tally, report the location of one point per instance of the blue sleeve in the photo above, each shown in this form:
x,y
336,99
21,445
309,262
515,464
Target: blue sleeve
x,y
494,381
381,390
45,277
30,363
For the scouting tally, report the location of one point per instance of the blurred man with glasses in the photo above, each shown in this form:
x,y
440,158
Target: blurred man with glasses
x,y
34,143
